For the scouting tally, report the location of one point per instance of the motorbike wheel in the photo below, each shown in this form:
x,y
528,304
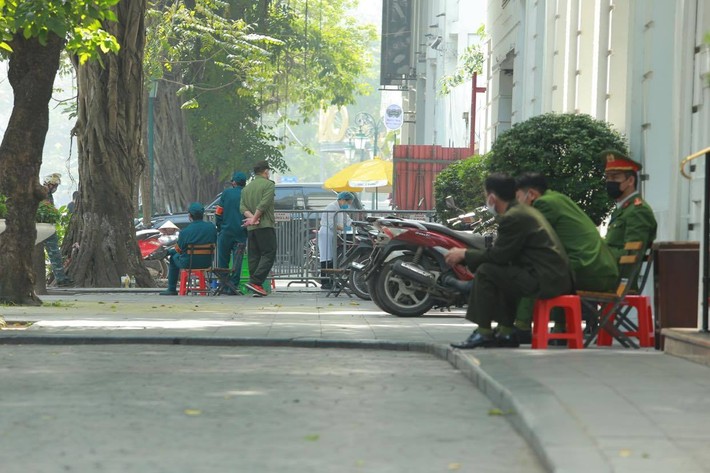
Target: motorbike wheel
x,y
355,280
372,291
399,295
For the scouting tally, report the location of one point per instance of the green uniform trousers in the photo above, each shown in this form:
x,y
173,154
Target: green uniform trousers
x,y
261,253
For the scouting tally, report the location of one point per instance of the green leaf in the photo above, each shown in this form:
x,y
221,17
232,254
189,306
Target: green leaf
x,y
190,104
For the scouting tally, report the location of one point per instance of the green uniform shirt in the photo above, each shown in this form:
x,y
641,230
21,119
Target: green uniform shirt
x,y
197,233
594,265
229,217
634,221
527,240
259,195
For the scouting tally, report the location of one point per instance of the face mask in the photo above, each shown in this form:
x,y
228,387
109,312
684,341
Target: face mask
x,y
345,206
613,189
490,206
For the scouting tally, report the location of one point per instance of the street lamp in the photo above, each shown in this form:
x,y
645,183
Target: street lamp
x,y
365,127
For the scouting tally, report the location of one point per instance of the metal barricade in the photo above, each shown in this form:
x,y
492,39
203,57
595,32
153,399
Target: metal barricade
x,y
298,254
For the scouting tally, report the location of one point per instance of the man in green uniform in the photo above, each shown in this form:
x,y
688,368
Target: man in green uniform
x,y
232,237
526,260
594,266
633,219
198,232
257,205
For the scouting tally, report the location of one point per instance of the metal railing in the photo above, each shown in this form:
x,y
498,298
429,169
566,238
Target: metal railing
x,y
298,255
706,231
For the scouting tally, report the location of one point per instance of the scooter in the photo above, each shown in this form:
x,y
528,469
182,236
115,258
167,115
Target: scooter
x,y
154,250
407,274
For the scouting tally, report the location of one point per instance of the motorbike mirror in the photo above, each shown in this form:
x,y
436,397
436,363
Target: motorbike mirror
x,y
449,200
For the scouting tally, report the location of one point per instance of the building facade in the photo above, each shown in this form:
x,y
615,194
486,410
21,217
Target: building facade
x,y
641,65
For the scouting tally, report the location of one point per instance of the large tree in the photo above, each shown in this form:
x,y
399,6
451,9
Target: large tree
x,y
109,129
33,34
233,62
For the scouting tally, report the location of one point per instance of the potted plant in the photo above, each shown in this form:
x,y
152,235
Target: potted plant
x,y
47,217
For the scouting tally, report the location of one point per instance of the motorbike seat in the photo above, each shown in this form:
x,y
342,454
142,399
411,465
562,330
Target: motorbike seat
x,y
474,240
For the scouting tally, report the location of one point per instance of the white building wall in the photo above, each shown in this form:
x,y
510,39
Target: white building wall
x,y
634,63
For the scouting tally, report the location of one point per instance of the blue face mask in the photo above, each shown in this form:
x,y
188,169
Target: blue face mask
x,y
345,206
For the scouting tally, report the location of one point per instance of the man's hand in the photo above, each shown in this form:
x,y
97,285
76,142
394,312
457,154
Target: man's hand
x,y
455,256
250,221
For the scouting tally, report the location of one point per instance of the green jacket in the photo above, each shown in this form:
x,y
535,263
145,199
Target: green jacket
x,y
594,265
197,233
634,221
259,195
228,215
527,240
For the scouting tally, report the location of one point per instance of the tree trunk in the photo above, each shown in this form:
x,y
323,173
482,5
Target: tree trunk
x,y
40,270
174,155
31,73
111,157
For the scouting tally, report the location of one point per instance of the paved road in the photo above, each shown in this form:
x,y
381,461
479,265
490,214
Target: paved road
x,y
142,408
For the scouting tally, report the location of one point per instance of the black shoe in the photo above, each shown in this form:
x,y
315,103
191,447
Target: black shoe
x,y
65,283
506,341
476,340
168,292
524,336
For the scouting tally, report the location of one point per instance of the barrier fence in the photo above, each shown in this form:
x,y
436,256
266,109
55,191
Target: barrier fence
x,y
298,254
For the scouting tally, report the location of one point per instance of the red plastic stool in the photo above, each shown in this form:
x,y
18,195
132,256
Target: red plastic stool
x,y
573,315
644,333
201,282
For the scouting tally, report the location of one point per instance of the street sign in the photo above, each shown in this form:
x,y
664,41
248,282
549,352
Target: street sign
x,y
394,117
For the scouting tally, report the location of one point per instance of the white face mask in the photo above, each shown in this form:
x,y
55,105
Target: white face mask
x,y
490,206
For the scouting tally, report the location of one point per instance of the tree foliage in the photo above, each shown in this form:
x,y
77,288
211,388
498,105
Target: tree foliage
x,y
470,62
78,22
237,60
566,148
463,180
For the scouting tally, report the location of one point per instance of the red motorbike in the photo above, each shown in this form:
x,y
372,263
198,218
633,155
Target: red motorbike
x,y
154,251
406,273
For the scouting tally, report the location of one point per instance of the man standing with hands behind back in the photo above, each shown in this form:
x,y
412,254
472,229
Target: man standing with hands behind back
x,y
257,205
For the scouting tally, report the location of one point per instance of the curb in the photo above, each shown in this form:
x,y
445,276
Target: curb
x,y
550,431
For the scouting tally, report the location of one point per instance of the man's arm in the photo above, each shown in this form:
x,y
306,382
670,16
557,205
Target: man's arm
x,y
513,230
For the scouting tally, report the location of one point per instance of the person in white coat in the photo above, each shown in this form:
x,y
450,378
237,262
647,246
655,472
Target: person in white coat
x,y
332,221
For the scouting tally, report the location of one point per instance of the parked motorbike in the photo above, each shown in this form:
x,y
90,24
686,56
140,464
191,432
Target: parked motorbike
x,y
407,274
154,247
359,253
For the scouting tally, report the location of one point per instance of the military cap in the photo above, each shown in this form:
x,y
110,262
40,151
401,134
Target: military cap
x,y
239,176
617,161
196,209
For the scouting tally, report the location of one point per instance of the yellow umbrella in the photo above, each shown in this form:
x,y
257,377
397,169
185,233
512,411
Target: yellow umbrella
x,y
371,174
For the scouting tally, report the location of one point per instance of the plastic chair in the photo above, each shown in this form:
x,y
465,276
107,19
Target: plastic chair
x,y
541,320
200,273
643,330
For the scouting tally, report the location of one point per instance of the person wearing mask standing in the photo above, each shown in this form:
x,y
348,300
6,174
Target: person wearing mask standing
x,y
51,244
332,222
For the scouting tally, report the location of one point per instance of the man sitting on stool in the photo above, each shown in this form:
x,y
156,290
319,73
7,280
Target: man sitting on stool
x,y
198,232
526,260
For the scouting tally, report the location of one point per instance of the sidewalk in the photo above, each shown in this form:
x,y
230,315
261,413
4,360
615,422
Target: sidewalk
x,y
593,410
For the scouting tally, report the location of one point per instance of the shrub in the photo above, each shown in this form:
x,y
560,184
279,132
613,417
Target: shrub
x,y
565,148
463,180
